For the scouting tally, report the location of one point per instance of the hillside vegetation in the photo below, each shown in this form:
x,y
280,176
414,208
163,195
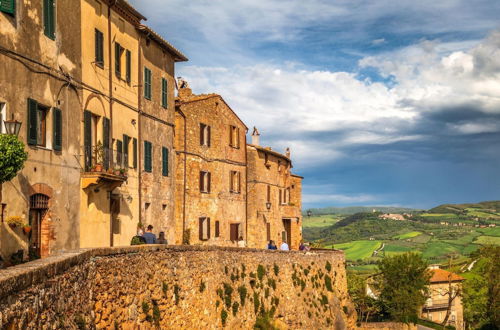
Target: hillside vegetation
x,y
359,209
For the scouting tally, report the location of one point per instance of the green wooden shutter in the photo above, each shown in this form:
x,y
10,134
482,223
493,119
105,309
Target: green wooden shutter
x,y
126,140
99,48
118,66
164,92
128,57
106,123
57,127
147,83
148,157
49,18
32,122
8,6
164,161
119,153
87,138
134,144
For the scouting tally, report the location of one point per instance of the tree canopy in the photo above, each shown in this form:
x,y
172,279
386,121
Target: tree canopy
x,y
12,157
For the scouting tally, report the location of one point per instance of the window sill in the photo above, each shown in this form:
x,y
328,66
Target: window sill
x,y
43,148
205,192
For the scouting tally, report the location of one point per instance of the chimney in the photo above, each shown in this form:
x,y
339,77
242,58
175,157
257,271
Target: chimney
x,y
287,152
255,136
184,92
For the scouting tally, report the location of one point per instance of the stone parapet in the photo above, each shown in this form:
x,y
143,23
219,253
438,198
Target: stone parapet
x,y
177,287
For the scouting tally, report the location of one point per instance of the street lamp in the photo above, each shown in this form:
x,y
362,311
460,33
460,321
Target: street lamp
x,y
268,205
12,127
309,213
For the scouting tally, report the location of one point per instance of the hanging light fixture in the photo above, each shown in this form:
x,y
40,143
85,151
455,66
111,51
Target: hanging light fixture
x,y
12,127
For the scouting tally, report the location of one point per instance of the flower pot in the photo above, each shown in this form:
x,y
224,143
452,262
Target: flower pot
x,y
12,225
26,230
98,167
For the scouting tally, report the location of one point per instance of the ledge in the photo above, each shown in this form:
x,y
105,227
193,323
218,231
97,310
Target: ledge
x,y
17,278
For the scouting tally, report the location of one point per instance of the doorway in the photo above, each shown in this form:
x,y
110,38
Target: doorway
x,y
287,225
39,205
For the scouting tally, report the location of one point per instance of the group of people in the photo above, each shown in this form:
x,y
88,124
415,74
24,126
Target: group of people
x,y
284,246
149,237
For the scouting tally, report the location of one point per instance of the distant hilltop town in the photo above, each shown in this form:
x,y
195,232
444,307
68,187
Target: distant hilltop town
x,y
112,150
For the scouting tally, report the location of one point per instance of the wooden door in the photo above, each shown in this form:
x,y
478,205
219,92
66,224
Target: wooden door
x,y
287,224
234,231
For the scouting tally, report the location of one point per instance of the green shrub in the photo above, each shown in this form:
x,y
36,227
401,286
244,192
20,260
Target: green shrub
x,y
266,293
13,157
261,271
323,300
156,314
235,308
328,266
302,285
226,270
228,291
276,269
306,272
145,307
242,290
256,302
80,322
164,287
177,290
203,286
263,322
223,317
328,283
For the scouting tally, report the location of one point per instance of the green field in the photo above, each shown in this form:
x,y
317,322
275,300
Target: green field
x,y
392,249
410,234
439,215
320,221
481,213
487,240
358,249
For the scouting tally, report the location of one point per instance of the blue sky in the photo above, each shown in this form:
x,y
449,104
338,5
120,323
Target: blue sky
x,y
381,102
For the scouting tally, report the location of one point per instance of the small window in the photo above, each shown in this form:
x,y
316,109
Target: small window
x,y
49,18
205,133
234,136
204,182
234,183
118,59
99,48
37,124
234,232
164,93
147,83
217,228
119,153
204,228
8,6
266,160
164,161
268,231
148,157
268,199
128,64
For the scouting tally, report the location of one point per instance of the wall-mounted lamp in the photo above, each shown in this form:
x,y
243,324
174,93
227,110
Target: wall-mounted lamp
x,y
12,126
134,121
129,199
268,205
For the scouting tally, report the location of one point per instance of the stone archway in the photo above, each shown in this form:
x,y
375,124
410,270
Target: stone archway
x,y
42,234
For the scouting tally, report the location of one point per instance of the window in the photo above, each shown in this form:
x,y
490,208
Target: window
x,y
164,161
106,126
284,195
204,135
164,93
99,48
266,160
234,232
217,228
49,9
204,182
234,183
134,147
268,231
147,83
126,144
118,59
204,228
37,124
234,136
8,6
119,153
128,63
57,129
148,156
268,199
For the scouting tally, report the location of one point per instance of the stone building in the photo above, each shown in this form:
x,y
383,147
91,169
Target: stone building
x,y
85,78
274,197
443,284
156,131
210,170
40,65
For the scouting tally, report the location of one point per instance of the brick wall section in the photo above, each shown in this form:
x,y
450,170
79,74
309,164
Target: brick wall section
x,y
177,287
219,158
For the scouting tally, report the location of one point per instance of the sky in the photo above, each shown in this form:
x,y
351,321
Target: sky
x,y
381,102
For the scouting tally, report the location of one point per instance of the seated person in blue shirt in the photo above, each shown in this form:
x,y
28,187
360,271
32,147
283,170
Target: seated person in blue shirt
x,y
149,236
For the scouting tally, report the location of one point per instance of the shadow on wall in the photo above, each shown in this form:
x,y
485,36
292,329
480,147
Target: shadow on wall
x,y
11,241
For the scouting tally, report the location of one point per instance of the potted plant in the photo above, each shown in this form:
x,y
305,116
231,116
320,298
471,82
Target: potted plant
x,y
14,221
26,229
99,156
123,171
117,171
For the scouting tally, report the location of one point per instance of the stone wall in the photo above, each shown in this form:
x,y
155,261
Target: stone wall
x,y
177,287
387,326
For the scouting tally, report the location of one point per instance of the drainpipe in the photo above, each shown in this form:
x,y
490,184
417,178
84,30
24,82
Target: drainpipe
x,y
184,178
139,134
110,57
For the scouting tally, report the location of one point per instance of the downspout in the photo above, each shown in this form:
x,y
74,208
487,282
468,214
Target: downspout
x,y
139,133
110,57
184,179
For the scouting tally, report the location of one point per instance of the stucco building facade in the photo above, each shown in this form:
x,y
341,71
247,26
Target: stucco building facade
x,y
210,170
274,197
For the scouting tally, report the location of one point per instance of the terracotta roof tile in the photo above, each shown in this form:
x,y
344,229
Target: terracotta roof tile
x,y
441,275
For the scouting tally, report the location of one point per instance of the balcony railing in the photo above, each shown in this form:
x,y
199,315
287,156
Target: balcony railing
x,y
437,304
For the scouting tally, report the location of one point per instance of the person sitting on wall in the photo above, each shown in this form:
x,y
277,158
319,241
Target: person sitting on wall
x,y
284,247
241,242
303,246
272,245
149,236
161,238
